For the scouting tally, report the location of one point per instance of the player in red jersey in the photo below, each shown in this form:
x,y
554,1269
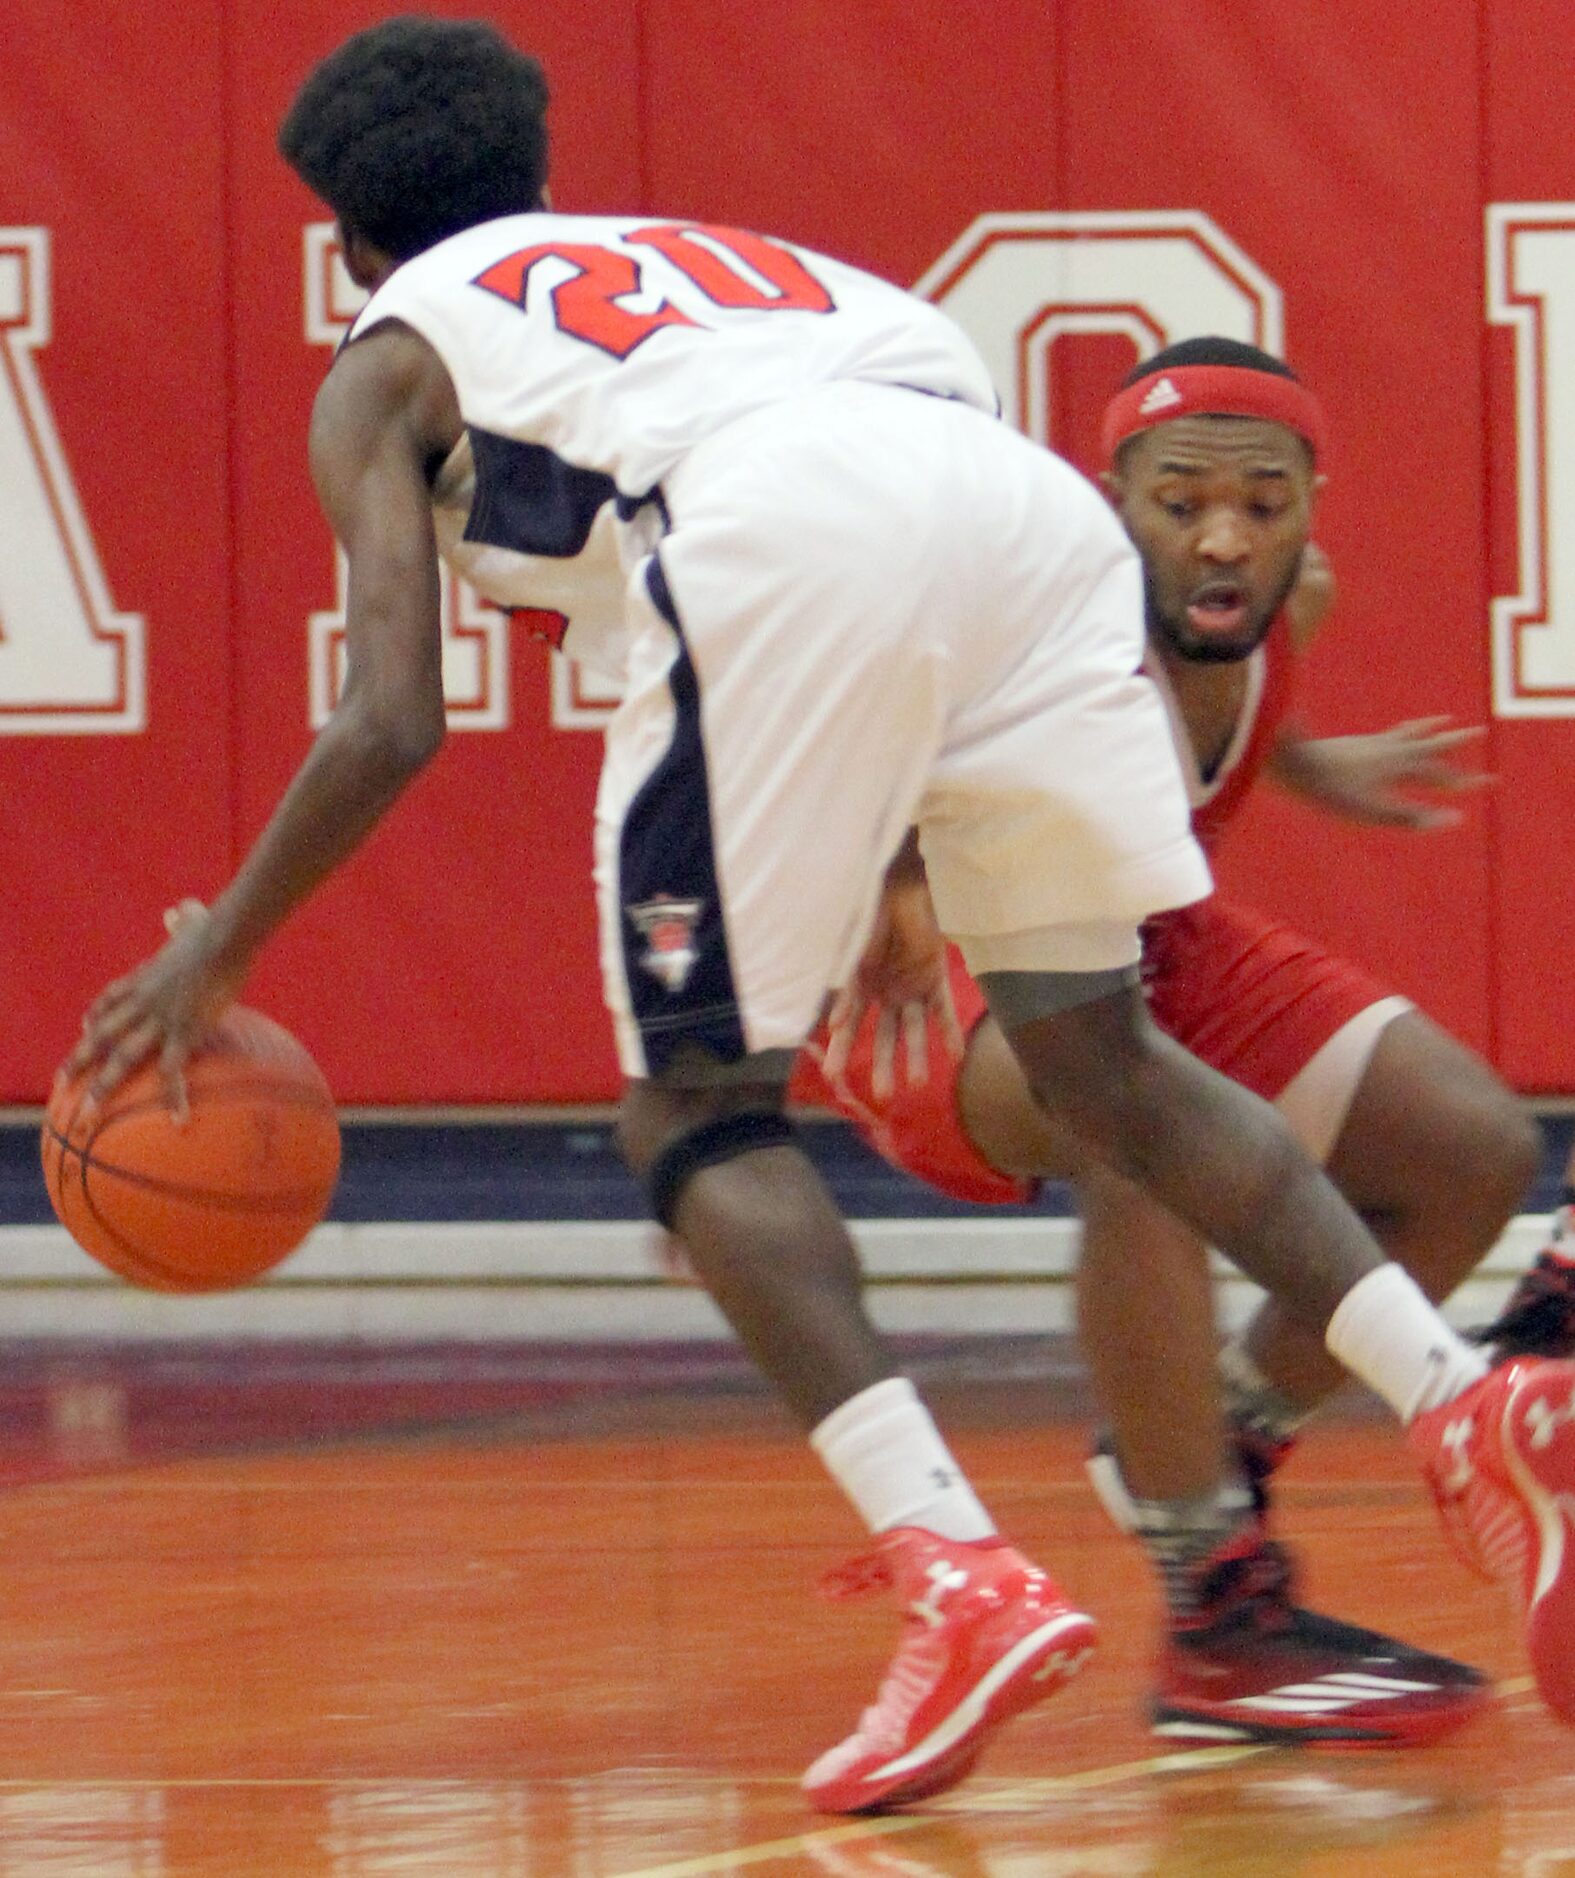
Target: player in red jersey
x,y
1418,1133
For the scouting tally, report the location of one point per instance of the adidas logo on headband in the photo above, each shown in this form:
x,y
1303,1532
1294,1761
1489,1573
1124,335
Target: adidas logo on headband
x,y
1217,390
1163,395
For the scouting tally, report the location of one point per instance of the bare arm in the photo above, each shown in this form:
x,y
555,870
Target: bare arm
x,y
1371,778
1310,600
369,460
903,976
377,427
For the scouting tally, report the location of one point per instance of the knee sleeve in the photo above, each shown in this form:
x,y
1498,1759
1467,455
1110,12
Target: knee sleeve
x,y
708,1146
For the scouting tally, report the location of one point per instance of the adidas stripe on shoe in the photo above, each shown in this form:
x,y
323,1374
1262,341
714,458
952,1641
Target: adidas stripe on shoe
x,y
1257,1666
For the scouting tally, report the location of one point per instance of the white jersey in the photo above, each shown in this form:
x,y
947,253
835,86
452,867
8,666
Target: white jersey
x,y
591,354
842,609
585,589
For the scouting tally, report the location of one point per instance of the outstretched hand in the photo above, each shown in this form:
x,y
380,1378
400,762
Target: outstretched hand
x,y
162,1009
1371,778
903,979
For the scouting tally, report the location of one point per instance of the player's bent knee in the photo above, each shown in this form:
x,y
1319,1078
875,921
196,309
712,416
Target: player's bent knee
x,y
1516,1149
691,1091
1486,1147
1449,1167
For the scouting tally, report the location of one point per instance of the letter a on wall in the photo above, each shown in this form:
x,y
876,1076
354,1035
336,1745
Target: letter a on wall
x,y
68,661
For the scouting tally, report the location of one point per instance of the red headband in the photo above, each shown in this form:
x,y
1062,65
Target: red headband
x,y
1220,390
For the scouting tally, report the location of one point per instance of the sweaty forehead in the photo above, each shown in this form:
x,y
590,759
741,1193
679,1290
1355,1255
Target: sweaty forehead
x,y
1200,444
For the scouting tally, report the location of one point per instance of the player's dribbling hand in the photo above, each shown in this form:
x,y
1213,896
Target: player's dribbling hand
x,y
161,1009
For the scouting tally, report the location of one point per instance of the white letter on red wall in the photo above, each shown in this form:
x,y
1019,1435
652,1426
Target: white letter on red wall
x,y
1531,288
475,636
68,661
1017,283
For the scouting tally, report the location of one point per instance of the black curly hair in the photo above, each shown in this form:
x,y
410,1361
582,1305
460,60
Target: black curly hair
x,y
419,127
1209,350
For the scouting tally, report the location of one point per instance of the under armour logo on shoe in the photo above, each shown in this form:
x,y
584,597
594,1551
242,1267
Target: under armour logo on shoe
x,y
943,1579
1456,1439
1061,1665
1161,398
1545,1422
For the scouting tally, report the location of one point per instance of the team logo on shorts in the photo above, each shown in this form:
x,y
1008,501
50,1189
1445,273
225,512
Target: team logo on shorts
x,y
668,928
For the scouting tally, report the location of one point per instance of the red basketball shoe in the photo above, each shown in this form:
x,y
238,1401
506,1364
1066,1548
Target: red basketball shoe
x,y
1256,1666
986,1635
1500,1460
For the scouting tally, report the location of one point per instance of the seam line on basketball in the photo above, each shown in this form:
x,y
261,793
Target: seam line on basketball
x,y
289,1202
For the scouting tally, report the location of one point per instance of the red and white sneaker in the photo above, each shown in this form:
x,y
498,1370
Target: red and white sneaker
x,y
985,1635
1500,1460
1256,1666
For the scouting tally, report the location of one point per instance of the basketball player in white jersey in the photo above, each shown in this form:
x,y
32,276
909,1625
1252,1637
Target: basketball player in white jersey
x,y
856,604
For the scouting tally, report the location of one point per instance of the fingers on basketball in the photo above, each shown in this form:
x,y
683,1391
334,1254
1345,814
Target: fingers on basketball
x,y
200,1172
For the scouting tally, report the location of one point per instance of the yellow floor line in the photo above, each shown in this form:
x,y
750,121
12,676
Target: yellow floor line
x,y
889,1825
1009,1798
345,1783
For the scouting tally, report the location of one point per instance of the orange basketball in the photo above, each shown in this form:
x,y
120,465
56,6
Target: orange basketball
x,y
210,1203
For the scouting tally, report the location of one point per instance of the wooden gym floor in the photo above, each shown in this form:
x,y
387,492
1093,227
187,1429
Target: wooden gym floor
x,y
579,1639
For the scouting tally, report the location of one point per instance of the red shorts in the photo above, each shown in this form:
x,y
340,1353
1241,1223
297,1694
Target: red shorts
x,y
1252,998
915,1128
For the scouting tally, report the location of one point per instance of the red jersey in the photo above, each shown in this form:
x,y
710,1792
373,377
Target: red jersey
x,y
1271,679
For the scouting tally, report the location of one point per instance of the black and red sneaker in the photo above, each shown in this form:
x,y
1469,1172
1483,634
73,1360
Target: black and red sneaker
x,y
1539,1318
1259,1457
1256,1666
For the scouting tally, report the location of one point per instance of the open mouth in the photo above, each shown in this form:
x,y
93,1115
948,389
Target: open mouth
x,y
1218,609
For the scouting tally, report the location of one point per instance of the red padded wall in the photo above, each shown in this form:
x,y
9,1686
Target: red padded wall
x,y
1343,153
111,141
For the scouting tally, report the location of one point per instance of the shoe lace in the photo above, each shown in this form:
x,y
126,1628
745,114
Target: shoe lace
x,y
1260,1456
1539,1319
1249,1580
867,1571
921,1653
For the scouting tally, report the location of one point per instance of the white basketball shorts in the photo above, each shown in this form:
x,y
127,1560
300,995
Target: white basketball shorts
x,y
873,608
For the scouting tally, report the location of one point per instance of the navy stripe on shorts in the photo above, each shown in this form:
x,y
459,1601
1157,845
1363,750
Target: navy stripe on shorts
x,y
680,977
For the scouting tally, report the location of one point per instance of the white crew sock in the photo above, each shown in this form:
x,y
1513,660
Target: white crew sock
x,y
1386,1333
887,1455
